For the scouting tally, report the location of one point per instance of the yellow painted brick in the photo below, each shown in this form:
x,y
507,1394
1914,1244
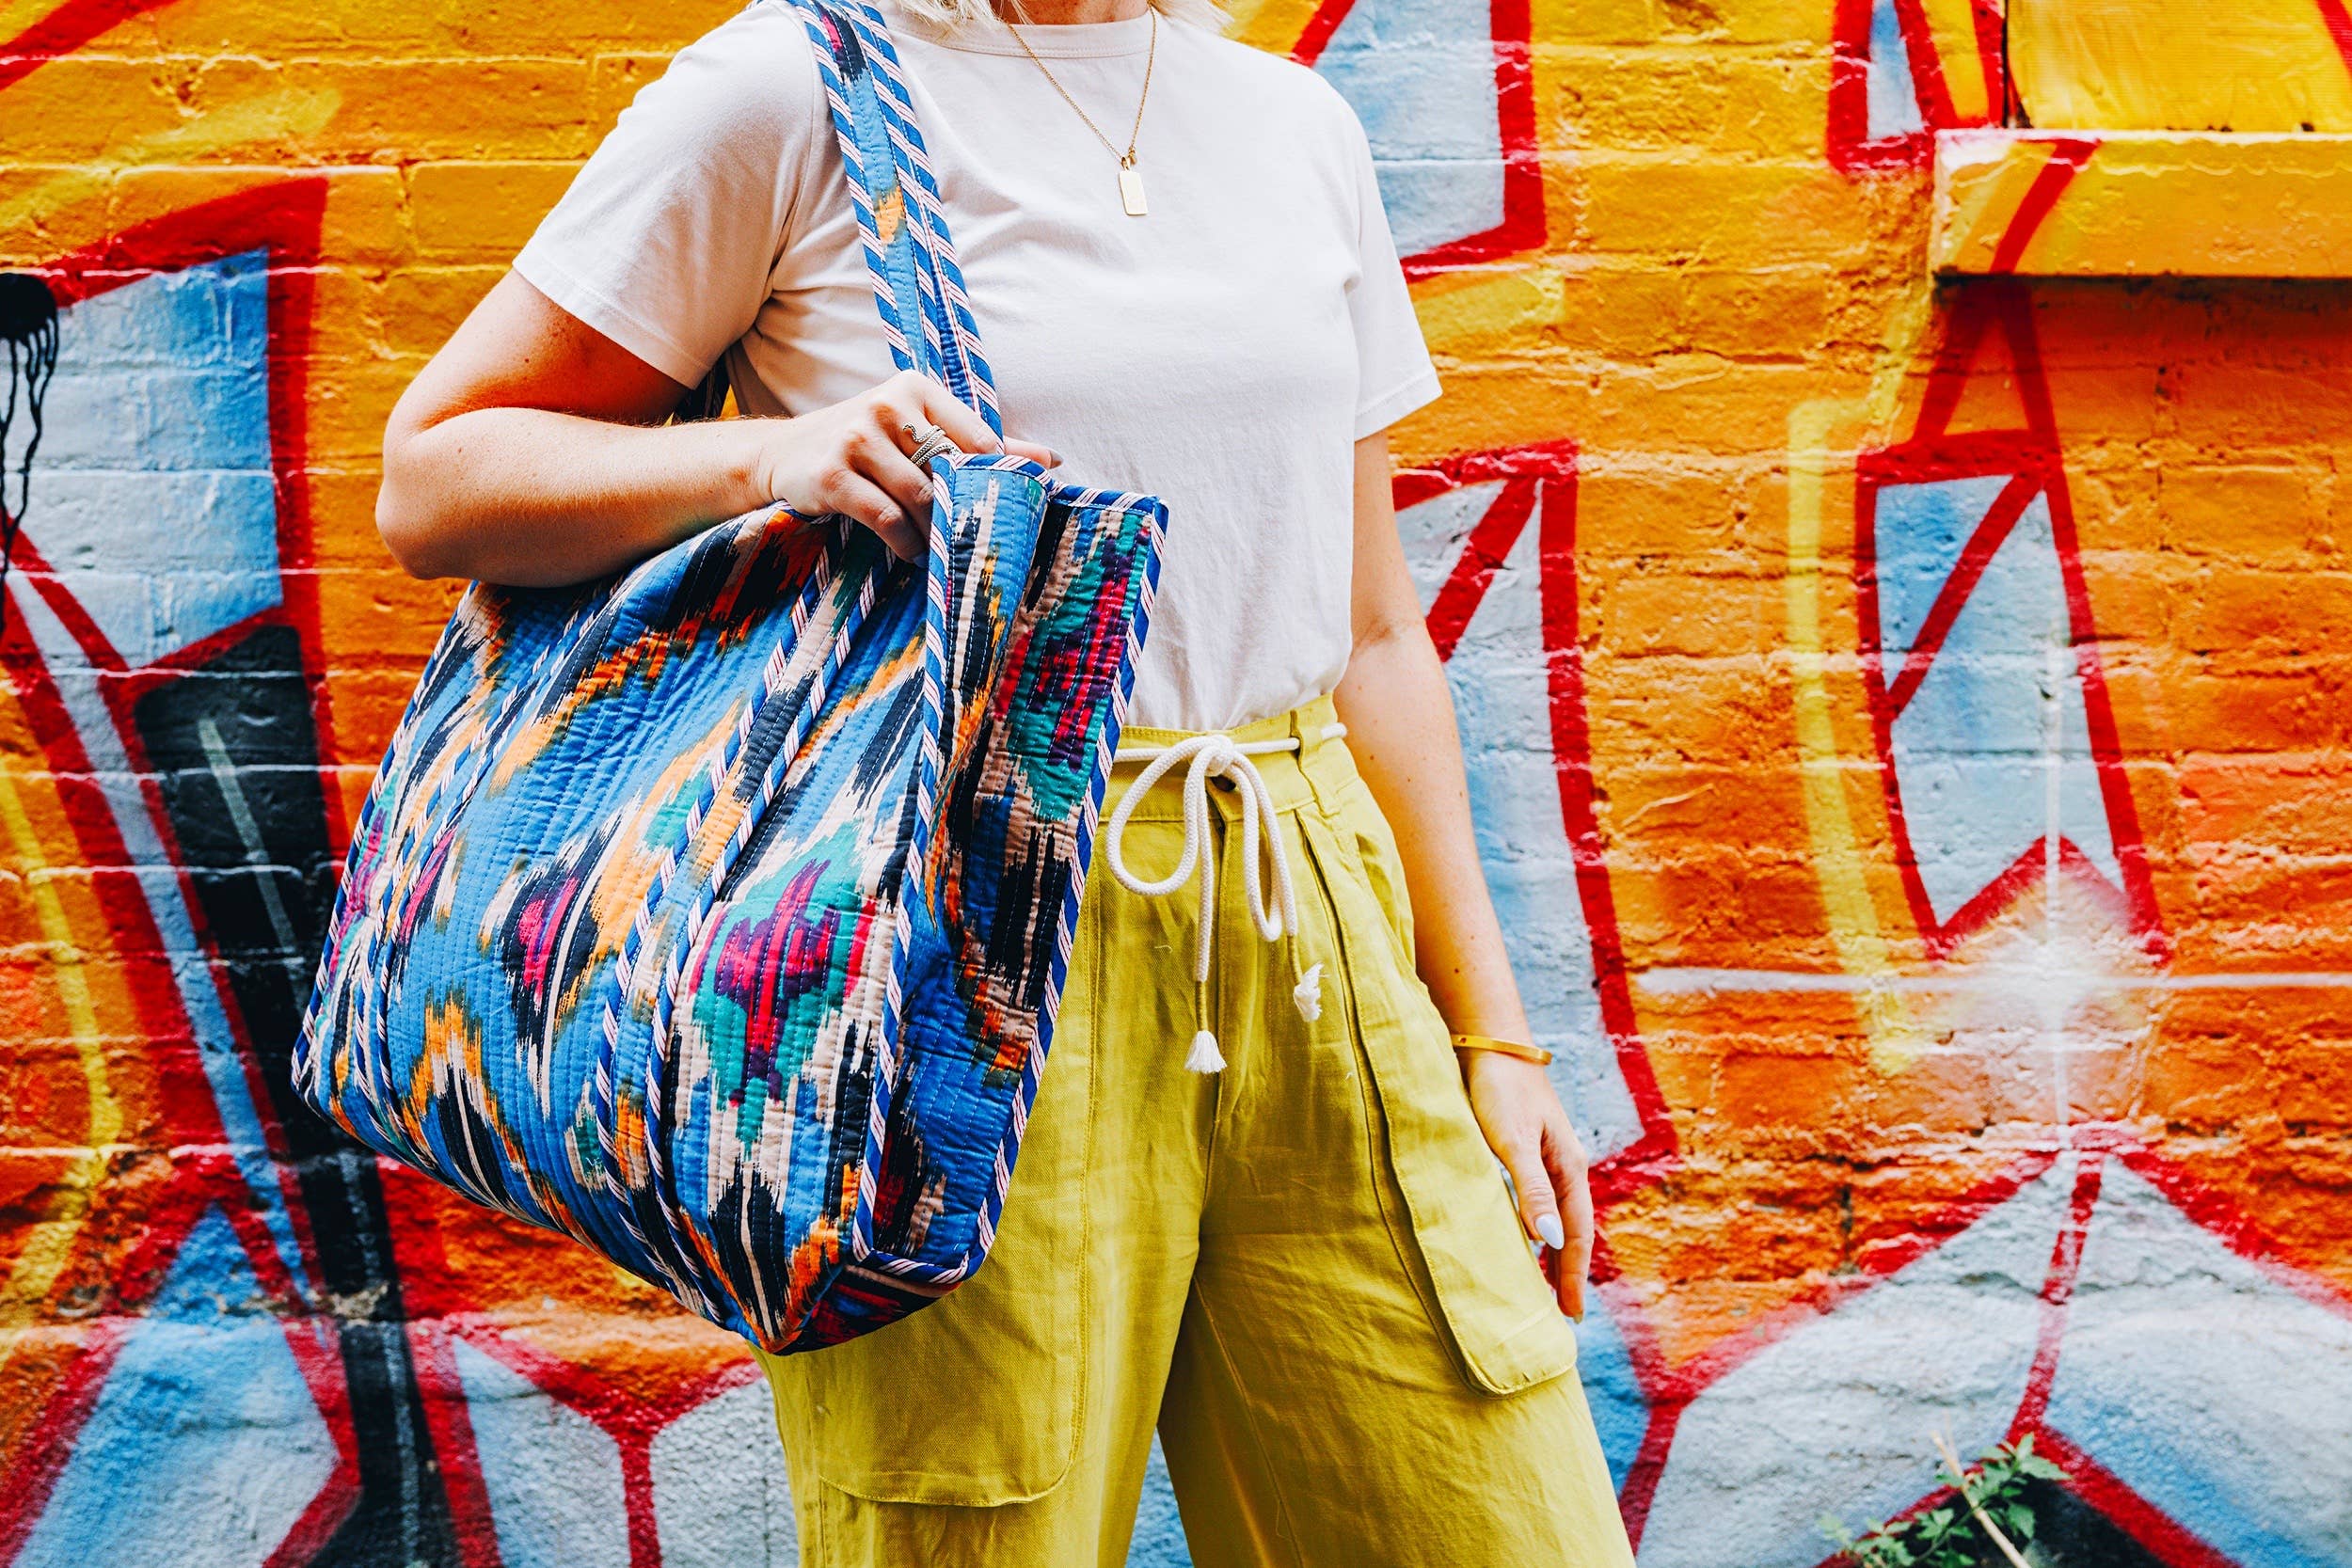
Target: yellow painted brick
x,y
1487,312
416,308
482,211
49,208
437,28
506,108
1594,21
1619,309
1727,211
342,331
362,222
1625,310
1790,24
82,110
1729,514
1696,404
1698,102
349,405
215,110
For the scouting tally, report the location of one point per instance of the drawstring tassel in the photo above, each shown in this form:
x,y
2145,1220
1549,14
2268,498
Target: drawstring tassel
x,y
1204,1057
1307,996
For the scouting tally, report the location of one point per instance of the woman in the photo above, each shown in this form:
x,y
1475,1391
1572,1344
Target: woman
x,y
1297,1258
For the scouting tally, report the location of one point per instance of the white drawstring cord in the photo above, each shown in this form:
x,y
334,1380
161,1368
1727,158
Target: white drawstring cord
x,y
1211,756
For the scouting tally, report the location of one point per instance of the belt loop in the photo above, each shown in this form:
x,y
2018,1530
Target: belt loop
x,y
1322,755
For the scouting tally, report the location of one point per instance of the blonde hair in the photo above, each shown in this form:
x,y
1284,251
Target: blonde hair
x,y
962,13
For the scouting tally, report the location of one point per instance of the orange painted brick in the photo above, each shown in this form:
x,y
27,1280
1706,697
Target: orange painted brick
x,y
2288,802
1651,613
2263,610
1714,313
2262,517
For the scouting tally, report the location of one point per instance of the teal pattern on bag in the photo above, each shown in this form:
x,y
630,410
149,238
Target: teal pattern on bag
x,y
716,914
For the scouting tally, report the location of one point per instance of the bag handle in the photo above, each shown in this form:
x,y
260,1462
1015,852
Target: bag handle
x,y
918,288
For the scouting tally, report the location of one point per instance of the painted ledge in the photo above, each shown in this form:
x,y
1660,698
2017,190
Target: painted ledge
x,y
2141,203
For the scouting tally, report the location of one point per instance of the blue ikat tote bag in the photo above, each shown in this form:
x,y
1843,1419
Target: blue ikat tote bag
x,y
716,914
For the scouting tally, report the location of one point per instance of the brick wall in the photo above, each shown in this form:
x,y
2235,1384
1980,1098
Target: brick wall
x,y
1910,728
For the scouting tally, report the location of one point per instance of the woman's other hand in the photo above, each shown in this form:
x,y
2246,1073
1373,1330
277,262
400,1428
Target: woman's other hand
x,y
851,457
1399,713
1528,1128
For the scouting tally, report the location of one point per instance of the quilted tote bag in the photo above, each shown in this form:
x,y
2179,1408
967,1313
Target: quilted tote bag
x,y
716,914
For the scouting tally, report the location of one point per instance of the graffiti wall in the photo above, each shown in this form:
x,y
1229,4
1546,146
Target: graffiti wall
x,y
1911,727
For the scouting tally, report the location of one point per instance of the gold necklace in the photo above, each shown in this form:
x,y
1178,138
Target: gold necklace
x,y
1130,177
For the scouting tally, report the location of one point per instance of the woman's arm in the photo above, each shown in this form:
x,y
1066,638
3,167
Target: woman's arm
x,y
1400,724
530,452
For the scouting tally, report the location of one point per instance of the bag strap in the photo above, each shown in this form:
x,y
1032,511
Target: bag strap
x,y
918,288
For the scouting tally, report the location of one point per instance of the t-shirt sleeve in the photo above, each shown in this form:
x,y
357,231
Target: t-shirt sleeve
x,y
1393,375
668,236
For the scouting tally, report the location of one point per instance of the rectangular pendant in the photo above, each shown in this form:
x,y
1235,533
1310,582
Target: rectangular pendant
x,y
1130,190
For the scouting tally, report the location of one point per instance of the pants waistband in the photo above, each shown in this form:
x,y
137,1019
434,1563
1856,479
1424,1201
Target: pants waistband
x,y
1314,775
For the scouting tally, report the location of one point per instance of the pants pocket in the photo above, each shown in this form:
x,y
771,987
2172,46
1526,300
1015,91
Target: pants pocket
x,y
973,1401
1488,1296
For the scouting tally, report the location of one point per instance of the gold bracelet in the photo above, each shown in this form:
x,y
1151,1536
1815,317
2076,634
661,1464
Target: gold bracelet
x,y
1534,1053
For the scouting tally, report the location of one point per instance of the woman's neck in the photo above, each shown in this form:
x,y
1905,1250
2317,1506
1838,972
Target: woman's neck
x,y
1050,13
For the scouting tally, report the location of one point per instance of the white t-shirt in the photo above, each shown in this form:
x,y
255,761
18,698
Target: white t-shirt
x,y
1223,353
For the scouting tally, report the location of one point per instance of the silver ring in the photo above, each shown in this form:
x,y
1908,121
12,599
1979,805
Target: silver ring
x,y
930,442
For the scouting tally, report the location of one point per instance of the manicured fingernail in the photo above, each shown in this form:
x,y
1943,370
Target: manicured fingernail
x,y
1053,458
1548,1227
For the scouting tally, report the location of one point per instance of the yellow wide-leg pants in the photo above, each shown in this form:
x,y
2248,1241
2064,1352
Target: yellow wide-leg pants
x,y
1305,1269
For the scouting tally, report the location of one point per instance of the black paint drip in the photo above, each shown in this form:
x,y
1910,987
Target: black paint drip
x,y
28,326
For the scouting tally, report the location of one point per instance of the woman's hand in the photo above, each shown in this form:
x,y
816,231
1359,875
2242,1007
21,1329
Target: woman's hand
x,y
1528,1128
851,457
535,452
